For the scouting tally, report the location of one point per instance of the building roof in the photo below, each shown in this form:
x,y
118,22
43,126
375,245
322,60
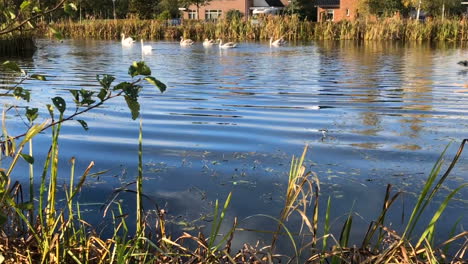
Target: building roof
x,y
327,2
275,3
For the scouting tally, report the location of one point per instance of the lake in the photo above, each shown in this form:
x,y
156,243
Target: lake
x,y
372,113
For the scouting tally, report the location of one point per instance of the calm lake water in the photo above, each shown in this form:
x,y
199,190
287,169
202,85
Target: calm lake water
x,y
372,113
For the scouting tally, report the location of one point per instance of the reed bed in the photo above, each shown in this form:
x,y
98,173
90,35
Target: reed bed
x,y
290,27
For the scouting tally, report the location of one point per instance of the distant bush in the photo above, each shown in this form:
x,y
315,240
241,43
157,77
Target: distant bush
x,y
164,15
234,14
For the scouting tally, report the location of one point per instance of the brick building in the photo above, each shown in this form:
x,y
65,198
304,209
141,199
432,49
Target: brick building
x,y
217,8
336,10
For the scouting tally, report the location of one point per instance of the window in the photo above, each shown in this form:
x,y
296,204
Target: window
x,y
192,14
212,14
348,12
329,14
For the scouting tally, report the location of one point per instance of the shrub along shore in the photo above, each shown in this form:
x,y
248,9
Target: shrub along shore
x,y
290,27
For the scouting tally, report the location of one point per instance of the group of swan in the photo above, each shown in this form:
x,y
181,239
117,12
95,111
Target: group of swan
x,y
229,45
128,42
209,43
146,49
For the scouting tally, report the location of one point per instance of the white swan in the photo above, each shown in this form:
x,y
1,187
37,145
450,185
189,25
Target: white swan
x,y
228,45
186,42
278,42
208,43
126,41
146,49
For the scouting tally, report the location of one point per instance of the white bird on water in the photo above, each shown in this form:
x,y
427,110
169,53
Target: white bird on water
x,y
146,49
208,43
278,42
186,42
228,45
126,41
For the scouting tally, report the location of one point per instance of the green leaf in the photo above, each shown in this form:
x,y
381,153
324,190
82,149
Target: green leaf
x,y
4,177
134,107
9,65
106,80
27,158
123,86
33,131
50,108
76,96
69,8
133,91
31,114
24,5
162,87
87,97
25,206
59,103
21,93
139,68
83,124
103,94
12,15
38,77
36,9
57,34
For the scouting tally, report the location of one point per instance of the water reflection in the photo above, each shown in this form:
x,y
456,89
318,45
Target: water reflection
x,y
372,112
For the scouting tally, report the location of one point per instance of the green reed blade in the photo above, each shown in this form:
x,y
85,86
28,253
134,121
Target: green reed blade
x,y
430,228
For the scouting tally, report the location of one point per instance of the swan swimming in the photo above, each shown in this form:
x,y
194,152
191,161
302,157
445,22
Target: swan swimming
x,y
278,42
208,43
228,45
186,42
126,41
146,49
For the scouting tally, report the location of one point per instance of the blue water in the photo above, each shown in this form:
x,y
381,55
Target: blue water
x,y
372,113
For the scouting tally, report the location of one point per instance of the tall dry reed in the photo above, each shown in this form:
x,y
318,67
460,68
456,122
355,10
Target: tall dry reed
x,y
290,27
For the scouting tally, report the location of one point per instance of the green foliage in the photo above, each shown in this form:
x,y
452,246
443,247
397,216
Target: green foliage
x,y
233,14
304,8
377,7
144,9
165,15
168,9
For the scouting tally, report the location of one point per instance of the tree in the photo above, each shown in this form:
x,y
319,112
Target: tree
x,y
171,6
442,7
197,3
143,8
304,8
378,7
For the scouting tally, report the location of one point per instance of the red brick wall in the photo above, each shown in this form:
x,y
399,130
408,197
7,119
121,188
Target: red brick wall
x,y
223,5
341,12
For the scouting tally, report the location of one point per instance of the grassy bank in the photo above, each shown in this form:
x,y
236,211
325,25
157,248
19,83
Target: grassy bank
x,y
290,27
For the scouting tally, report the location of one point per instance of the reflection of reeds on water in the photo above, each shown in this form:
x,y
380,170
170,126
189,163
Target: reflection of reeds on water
x,y
18,46
289,27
